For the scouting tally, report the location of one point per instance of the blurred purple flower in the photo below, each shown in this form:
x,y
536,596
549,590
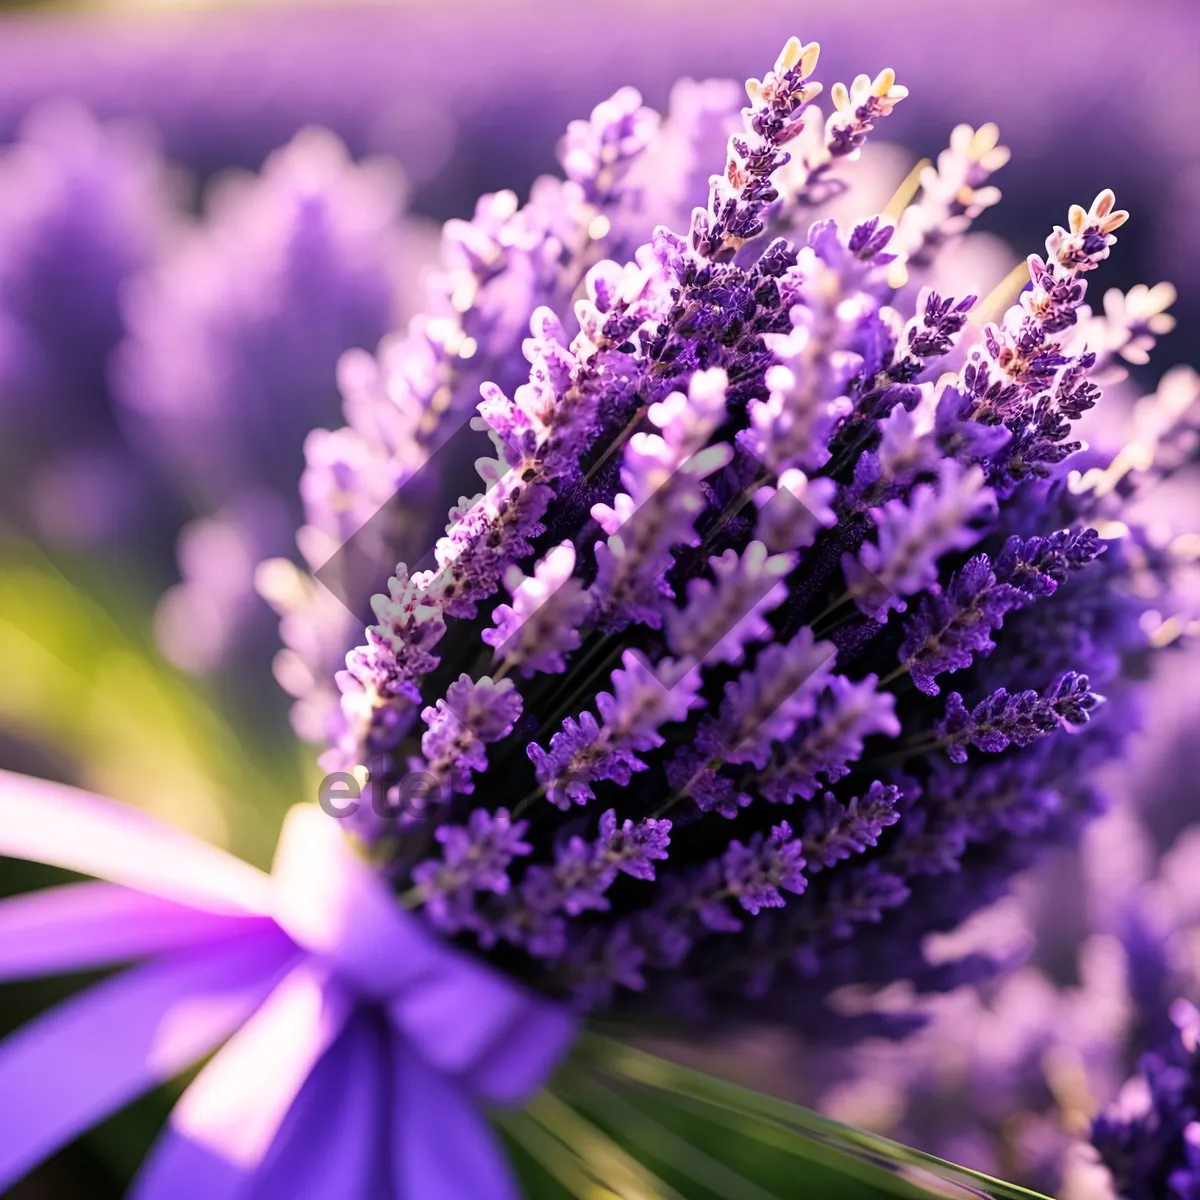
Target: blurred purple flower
x,y
214,612
233,338
83,206
1149,1138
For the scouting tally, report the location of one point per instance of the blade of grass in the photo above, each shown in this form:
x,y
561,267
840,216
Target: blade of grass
x,y
769,1149
819,1136
634,1127
618,1170
94,691
553,1157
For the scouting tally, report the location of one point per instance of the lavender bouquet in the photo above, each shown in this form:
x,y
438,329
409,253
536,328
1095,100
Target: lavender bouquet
x,y
659,736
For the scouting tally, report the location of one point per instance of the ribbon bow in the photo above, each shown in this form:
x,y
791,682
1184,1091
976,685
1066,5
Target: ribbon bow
x,y
357,1046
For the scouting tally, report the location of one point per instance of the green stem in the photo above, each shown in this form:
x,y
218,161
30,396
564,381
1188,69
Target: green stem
x,y
526,800
892,676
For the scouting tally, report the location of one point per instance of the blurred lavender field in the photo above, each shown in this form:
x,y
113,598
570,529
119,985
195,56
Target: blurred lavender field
x,y
184,260
470,97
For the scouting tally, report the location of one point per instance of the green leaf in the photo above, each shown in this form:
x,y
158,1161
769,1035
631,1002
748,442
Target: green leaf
x,y
619,1122
85,685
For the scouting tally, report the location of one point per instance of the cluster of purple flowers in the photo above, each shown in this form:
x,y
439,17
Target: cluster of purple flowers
x,y
750,504
625,170
1149,1139
771,648
1007,1078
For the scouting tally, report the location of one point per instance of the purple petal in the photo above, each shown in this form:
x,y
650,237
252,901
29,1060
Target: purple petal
x,y
76,1064
85,925
180,1169
441,1144
222,1130
64,827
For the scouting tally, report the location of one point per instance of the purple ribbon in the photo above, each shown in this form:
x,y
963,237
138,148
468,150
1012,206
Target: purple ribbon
x,y
356,1048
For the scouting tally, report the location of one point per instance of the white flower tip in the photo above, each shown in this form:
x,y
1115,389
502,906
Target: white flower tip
x,y
985,139
709,385
1101,215
279,583
897,274
789,56
1160,297
885,87
1103,204
1104,213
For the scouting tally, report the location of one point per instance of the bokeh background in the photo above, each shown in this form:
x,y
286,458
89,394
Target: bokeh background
x,y
202,207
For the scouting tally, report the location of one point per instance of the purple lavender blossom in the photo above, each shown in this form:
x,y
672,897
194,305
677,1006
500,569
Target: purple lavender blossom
x,y
498,270
913,535
475,858
825,746
953,193
645,471
720,618
754,873
1150,1138
1007,1078
955,625
583,871
474,713
590,750
766,704
541,627
1002,720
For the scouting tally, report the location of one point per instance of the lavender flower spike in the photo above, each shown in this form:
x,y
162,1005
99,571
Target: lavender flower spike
x,y
953,193
913,535
1004,720
291,972
719,619
755,873
739,195
84,206
744,460
541,626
